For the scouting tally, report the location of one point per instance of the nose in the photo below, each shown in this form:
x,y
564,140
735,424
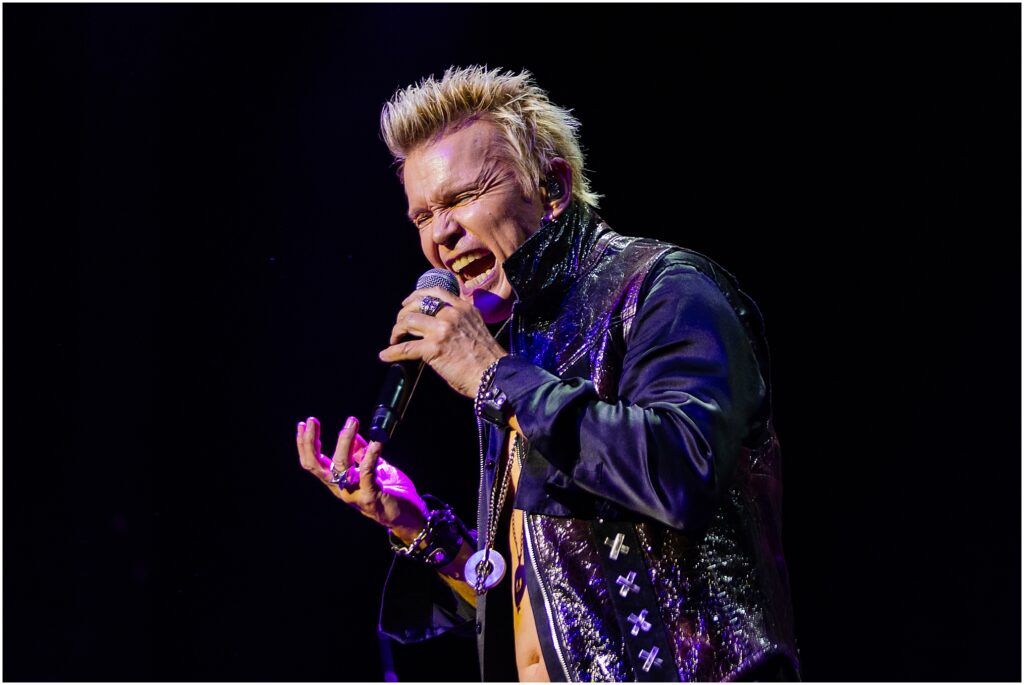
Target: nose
x,y
446,231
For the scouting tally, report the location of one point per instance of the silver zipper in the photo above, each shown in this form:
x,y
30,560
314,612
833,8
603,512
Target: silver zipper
x,y
480,493
544,596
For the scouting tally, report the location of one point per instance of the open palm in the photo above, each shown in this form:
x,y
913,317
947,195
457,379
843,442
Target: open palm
x,y
377,489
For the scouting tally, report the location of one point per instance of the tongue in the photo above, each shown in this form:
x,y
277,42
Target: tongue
x,y
477,267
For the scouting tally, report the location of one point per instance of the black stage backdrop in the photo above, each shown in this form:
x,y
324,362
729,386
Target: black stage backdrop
x,y
204,243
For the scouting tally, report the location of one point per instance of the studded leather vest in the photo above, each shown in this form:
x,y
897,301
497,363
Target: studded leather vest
x,y
652,481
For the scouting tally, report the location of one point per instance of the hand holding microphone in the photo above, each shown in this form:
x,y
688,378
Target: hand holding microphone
x,y
402,376
454,342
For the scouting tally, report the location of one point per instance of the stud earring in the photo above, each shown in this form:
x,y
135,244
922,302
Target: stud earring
x,y
554,187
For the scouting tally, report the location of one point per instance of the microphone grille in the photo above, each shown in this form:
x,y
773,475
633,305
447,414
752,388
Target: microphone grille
x,y
438,278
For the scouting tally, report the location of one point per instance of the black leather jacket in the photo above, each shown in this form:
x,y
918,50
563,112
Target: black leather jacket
x,y
651,485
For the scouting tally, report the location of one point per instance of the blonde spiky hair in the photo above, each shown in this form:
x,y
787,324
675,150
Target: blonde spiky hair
x,y
535,130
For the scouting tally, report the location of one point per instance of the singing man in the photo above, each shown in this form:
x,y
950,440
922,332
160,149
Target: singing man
x,y
629,506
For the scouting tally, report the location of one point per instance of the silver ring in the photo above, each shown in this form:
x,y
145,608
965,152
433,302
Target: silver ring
x,y
339,478
431,305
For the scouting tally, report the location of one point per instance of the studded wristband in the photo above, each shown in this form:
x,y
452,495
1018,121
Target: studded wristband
x,y
440,540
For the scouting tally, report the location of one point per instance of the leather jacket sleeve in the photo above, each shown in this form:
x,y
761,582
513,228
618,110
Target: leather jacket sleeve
x,y
417,605
689,393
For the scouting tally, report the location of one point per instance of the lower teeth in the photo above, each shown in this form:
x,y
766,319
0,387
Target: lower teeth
x,y
479,279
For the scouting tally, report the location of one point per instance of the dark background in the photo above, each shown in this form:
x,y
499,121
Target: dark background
x,y
204,243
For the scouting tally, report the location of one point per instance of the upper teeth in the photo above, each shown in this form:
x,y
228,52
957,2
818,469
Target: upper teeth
x,y
460,263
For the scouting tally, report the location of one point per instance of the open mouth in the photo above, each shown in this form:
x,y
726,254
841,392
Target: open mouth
x,y
474,269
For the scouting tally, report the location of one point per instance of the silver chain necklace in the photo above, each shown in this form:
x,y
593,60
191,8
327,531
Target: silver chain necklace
x,y
486,567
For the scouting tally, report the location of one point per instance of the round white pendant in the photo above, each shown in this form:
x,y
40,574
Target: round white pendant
x,y
492,570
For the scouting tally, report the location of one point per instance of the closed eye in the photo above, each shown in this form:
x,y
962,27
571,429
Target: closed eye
x,y
423,218
463,199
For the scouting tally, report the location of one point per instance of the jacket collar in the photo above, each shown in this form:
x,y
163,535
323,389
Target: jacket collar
x,y
554,255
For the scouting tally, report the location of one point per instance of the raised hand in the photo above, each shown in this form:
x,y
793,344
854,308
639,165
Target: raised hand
x,y
368,484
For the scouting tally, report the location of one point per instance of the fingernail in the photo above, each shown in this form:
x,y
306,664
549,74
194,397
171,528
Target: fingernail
x,y
350,422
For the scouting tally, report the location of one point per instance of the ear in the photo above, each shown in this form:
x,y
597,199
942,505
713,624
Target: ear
x,y
558,176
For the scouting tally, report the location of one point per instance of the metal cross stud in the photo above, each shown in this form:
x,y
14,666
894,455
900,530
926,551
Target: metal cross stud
x,y
616,546
650,658
627,584
638,622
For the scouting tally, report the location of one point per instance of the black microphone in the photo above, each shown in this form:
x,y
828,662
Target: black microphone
x,y
402,377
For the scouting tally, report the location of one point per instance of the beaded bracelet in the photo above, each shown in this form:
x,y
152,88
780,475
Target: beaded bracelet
x,y
489,403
